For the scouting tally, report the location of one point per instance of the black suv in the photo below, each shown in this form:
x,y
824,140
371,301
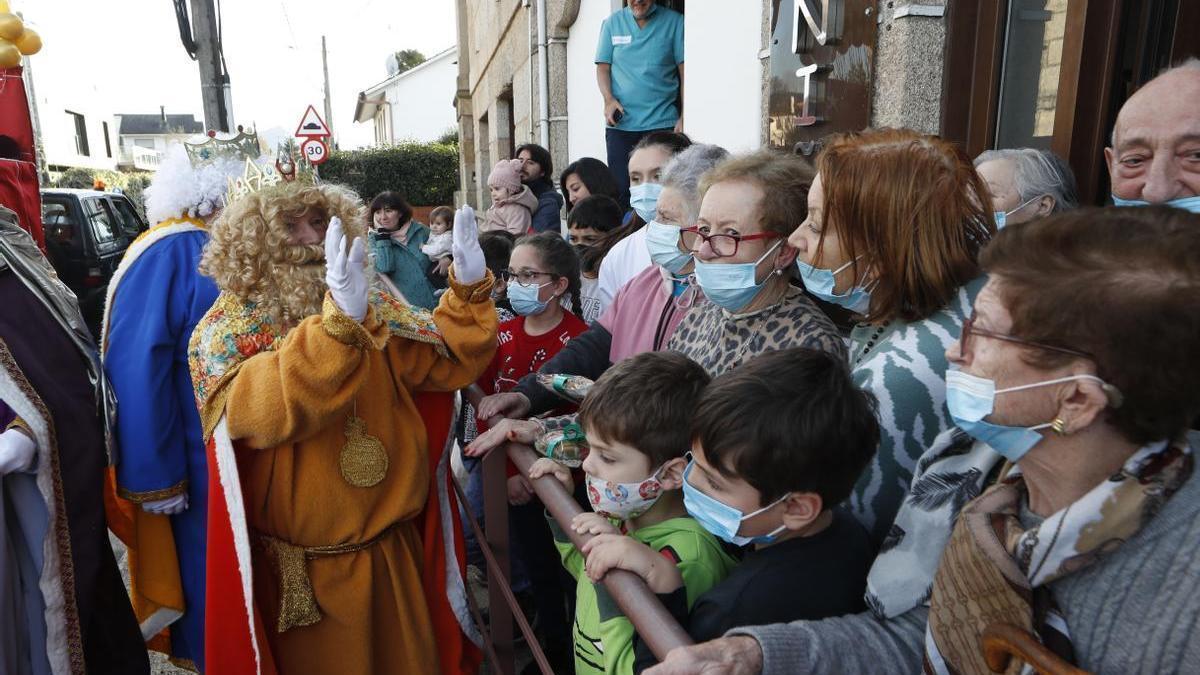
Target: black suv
x,y
87,232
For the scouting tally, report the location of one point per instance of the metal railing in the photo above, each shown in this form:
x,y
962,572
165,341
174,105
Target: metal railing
x,y
657,628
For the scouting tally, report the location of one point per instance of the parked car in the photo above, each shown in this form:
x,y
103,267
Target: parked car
x,y
87,232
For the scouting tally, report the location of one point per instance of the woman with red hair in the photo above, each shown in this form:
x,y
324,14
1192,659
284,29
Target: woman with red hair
x,y
895,223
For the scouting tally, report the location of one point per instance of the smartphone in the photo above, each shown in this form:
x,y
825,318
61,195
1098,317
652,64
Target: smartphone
x,y
617,115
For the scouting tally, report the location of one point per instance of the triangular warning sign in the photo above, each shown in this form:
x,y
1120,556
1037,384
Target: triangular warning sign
x,y
311,125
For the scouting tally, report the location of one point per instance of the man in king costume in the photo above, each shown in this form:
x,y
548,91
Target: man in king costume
x,y
63,607
332,543
158,495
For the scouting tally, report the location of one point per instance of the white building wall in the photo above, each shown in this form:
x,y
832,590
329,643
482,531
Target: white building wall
x,y
422,101
722,93
58,131
585,106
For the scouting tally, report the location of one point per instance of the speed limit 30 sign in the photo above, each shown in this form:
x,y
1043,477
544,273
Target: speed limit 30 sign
x,y
315,150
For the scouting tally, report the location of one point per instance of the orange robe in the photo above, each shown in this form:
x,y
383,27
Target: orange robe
x,y
286,411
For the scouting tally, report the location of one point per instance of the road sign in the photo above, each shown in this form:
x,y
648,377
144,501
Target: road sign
x,y
312,126
315,150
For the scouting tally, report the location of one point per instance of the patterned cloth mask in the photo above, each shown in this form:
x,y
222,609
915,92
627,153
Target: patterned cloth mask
x,y
623,500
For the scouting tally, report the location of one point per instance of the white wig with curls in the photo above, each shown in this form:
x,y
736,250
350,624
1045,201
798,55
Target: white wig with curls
x,y
180,189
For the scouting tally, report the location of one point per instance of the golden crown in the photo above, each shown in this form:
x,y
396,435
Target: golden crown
x,y
242,146
254,178
259,175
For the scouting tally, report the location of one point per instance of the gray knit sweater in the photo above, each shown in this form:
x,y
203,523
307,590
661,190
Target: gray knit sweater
x,y
1135,611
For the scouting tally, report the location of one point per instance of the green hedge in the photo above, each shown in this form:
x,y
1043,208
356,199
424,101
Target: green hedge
x,y
425,173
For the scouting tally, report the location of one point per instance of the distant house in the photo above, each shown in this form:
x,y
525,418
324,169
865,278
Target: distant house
x,y
417,104
144,138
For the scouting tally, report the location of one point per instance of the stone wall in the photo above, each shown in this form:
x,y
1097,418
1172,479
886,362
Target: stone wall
x,y
908,65
497,96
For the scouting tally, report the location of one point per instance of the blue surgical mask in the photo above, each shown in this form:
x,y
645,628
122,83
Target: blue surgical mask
x,y
1186,203
820,282
720,519
1002,216
644,199
662,242
524,299
970,399
731,285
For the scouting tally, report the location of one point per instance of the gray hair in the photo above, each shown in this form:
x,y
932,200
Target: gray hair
x,y
684,170
1038,172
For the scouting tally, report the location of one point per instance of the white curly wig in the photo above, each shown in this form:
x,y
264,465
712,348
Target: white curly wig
x,y
180,189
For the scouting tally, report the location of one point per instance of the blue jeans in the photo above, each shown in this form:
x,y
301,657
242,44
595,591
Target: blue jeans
x,y
619,145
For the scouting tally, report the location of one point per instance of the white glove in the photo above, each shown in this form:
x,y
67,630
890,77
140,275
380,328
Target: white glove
x,y
17,451
469,265
344,273
167,507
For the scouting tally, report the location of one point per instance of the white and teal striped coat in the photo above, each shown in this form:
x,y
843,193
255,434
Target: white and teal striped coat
x,y
904,366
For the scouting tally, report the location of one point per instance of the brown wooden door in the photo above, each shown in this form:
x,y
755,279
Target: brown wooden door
x,y
1103,50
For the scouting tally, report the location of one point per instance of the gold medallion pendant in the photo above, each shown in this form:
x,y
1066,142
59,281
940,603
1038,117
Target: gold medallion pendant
x,y
363,462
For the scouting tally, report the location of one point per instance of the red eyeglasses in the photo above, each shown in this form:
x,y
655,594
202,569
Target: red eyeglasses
x,y
722,245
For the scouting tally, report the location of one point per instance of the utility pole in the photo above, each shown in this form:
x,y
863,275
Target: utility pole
x,y
214,81
328,106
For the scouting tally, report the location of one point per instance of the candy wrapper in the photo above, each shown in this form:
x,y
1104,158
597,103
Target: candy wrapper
x,y
569,387
567,446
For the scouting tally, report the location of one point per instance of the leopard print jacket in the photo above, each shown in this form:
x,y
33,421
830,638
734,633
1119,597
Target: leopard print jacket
x,y
720,341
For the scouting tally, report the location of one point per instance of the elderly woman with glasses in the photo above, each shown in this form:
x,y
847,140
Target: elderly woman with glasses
x,y
744,264
1065,493
646,311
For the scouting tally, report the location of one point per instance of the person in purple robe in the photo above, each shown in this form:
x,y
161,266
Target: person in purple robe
x,y
63,605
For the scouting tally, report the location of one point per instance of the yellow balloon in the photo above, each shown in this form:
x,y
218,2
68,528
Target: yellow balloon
x,y
11,26
30,42
10,56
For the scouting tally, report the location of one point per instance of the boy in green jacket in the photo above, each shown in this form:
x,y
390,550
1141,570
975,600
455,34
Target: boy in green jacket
x,y
636,419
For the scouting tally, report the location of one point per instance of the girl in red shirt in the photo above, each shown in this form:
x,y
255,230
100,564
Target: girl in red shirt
x,y
542,270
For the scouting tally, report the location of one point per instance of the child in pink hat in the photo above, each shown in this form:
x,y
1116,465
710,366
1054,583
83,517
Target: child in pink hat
x,y
512,203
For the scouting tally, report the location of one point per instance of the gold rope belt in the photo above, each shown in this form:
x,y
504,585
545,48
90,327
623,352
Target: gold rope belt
x,y
297,603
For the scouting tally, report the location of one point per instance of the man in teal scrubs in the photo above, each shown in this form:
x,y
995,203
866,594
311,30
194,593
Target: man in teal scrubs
x,y
639,67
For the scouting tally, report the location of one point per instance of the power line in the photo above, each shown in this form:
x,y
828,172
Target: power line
x,y
185,28
288,20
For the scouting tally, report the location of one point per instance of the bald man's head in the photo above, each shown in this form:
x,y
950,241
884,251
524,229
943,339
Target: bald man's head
x,y
1155,153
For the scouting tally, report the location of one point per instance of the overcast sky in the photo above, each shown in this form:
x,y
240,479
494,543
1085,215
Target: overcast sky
x,y
131,51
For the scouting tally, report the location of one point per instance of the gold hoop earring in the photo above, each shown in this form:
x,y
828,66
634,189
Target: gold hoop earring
x,y
1059,426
